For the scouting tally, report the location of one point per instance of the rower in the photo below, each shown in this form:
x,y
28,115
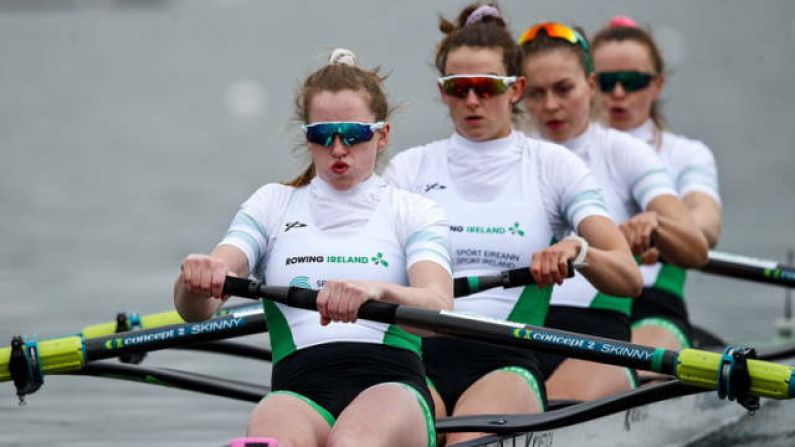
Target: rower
x,y
332,373
631,74
638,192
512,200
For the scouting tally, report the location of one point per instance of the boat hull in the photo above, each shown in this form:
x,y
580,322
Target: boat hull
x,y
680,421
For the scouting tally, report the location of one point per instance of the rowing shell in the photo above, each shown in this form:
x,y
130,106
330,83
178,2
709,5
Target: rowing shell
x,y
673,422
664,414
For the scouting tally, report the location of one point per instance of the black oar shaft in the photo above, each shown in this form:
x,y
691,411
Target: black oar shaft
x,y
173,336
691,366
478,328
226,347
751,269
467,285
177,379
539,338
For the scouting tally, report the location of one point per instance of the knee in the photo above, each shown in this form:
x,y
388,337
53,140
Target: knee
x,y
345,438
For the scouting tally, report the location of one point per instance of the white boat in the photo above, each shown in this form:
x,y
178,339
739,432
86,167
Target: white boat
x,y
664,414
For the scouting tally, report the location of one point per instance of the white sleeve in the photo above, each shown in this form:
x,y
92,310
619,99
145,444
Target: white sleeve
x,y
254,222
402,170
573,191
699,172
643,170
426,232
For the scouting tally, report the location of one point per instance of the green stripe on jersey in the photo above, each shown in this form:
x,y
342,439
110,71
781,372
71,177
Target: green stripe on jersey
x,y
282,342
610,302
671,279
532,306
399,338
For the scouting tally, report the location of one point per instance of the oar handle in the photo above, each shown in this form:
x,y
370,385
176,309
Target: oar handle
x,y
302,298
467,285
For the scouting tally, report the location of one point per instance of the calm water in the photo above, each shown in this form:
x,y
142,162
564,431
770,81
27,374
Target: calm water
x,y
133,129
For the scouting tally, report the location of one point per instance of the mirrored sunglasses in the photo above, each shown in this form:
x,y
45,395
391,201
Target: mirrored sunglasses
x,y
350,132
558,30
484,86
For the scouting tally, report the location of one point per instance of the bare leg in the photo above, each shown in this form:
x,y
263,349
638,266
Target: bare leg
x,y
582,380
293,422
498,392
383,415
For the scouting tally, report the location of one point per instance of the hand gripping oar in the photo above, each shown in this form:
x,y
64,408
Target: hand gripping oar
x,y
695,367
752,269
27,361
468,285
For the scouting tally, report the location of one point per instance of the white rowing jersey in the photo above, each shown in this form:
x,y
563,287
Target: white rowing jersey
x,y
692,166
631,175
505,199
305,236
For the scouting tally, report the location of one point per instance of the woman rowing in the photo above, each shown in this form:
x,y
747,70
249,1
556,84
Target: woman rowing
x,y
338,219
637,190
511,201
630,74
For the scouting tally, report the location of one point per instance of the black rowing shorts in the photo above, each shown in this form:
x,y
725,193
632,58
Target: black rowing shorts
x,y
660,308
333,374
454,364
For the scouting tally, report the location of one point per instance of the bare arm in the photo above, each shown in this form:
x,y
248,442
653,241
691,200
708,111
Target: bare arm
x,y
198,290
611,268
678,240
706,214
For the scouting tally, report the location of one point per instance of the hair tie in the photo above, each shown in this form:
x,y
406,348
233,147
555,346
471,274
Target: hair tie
x,y
622,21
342,56
481,12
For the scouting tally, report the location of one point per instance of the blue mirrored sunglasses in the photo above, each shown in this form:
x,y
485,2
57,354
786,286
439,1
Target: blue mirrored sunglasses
x,y
350,132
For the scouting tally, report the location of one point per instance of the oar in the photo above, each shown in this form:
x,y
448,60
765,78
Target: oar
x,y
227,347
32,359
468,285
183,380
462,287
27,361
752,269
695,367
129,321
132,321
588,410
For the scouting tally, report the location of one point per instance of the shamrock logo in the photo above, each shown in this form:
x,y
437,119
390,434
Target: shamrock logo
x,y
516,230
378,259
